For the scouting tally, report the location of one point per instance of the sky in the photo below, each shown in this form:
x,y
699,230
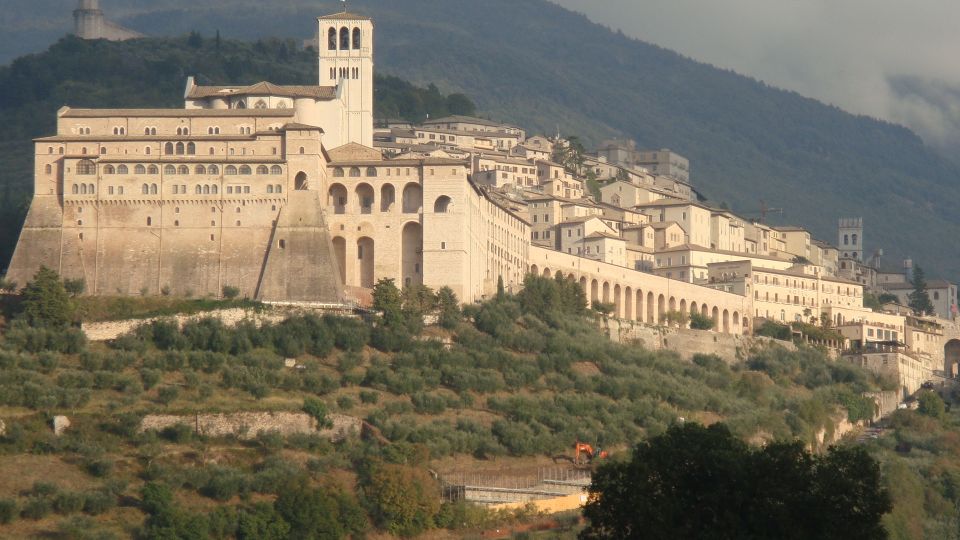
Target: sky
x,y
891,59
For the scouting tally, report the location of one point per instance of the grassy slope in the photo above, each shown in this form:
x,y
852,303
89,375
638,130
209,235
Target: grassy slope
x,y
505,397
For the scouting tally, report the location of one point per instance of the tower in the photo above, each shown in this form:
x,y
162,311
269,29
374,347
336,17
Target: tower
x,y
346,62
850,238
88,20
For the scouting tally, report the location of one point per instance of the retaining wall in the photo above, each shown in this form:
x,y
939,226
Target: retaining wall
x,y
687,342
247,425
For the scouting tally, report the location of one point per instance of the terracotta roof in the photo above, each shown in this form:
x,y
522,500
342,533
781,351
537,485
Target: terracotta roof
x,y
664,224
263,88
345,15
297,125
455,119
173,113
600,234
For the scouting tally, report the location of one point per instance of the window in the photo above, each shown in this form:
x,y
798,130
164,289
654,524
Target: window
x,y
245,169
354,172
109,170
332,40
246,189
122,169
356,38
338,172
145,189
371,171
200,169
86,167
146,150
198,190
169,169
74,189
213,189
110,190
183,169
301,150
278,188
149,221
262,169
153,169
344,39
191,149
269,188
276,169
180,148
230,170
213,169
153,189
168,149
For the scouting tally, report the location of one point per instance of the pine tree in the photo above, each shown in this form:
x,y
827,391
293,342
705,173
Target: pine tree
x,y
919,299
46,302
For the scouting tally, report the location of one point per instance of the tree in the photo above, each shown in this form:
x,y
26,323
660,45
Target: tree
x,y
317,514
195,41
230,292
919,299
699,321
448,308
701,482
46,302
930,404
404,499
318,410
388,301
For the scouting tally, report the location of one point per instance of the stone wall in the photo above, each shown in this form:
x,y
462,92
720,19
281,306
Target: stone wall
x,y
886,401
247,425
687,342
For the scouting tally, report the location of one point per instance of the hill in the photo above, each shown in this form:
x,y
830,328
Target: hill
x,y
152,73
501,386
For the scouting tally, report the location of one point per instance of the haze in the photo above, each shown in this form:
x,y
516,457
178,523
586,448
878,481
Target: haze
x,y
889,59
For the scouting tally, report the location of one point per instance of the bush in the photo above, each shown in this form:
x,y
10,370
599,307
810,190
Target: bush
x,y
930,404
37,508
699,321
167,394
230,292
318,410
345,403
68,502
404,499
369,397
8,511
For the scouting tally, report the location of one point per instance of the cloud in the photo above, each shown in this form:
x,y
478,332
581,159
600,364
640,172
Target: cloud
x,y
856,54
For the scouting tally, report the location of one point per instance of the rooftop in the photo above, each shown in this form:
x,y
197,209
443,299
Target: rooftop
x,y
175,113
263,88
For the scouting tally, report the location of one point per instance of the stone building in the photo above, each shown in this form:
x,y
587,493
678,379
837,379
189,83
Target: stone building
x,y
90,23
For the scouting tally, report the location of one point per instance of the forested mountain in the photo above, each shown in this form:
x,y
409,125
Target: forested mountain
x,y
536,64
152,73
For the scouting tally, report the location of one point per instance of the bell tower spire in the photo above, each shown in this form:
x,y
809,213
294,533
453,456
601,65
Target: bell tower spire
x,y
346,62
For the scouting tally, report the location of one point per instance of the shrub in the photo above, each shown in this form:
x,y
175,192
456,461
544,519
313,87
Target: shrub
x,y
68,502
230,292
8,511
46,302
930,404
699,321
166,394
224,484
369,397
403,498
318,410
345,403
37,508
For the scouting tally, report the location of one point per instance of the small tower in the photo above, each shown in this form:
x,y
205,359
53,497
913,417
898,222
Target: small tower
x,y
88,20
850,238
346,62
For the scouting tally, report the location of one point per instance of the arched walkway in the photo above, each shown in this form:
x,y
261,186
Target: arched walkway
x,y
388,196
412,198
726,322
951,357
617,305
412,255
651,314
301,183
716,318
661,308
338,198
365,198
365,257
628,304
594,293
340,252
606,292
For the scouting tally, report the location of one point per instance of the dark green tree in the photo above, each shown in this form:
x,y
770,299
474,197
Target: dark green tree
x,y
388,300
702,482
261,522
930,404
919,299
46,302
318,513
195,40
448,308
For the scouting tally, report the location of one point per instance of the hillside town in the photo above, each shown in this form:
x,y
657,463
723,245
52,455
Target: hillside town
x,y
298,194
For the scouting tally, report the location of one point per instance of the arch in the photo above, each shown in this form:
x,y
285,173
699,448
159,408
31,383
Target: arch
x,y
651,309
344,39
628,303
277,188
736,320
412,198
153,189
545,273
180,149
534,270
213,169
672,304
951,357
153,169
683,306
122,169
199,189
169,169
372,172
661,308
213,189
338,172
354,172
704,310
260,104
83,189
716,318
168,149
276,169
241,105
617,301
337,198
262,169
75,189
139,169
244,170
183,169
356,38
300,183
388,196
106,170
48,169
693,308
86,167
853,239
442,204
583,285
412,254
365,198
340,252
145,189
191,149
606,292
332,39
726,322
365,258
638,305
200,169
594,292
269,188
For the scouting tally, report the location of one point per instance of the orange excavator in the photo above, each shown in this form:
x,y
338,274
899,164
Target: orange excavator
x,y
583,453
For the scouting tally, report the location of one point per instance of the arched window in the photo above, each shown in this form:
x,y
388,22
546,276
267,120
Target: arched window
x,y
153,131
191,149
442,206
140,169
213,169
356,38
153,189
109,170
60,150
146,131
145,189
91,189
371,171
83,189
199,190
179,148
48,169
332,39
183,169
354,172
338,172
206,189
85,166
168,149
209,131
853,239
200,169
146,150
230,170
301,150
116,131
211,150
122,169
344,39
262,169
169,169
241,105
260,104
245,169
75,189
103,150
276,169
213,189
269,188
301,183
153,169
278,189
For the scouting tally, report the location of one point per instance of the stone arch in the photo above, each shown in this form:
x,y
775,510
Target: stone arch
x,y
340,252
651,307
594,292
704,310
344,39
412,254
300,183
558,275
736,320
534,270
693,308
617,301
628,303
726,322
412,198
365,261
661,308
356,38
951,357
388,196
583,286
332,39
638,307
716,318
606,292
683,306
442,204
338,198
672,304
365,198
546,272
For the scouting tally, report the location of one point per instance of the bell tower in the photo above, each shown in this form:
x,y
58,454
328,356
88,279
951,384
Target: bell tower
x,y
88,20
850,238
345,43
